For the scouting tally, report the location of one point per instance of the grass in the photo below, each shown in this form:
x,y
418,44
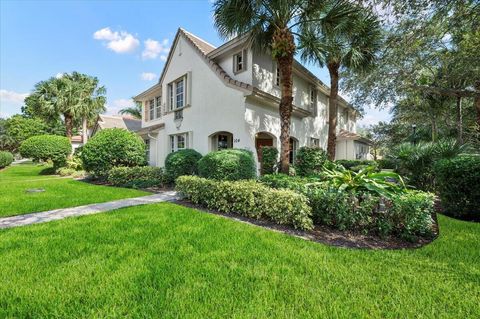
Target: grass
x,y
59,192
165,260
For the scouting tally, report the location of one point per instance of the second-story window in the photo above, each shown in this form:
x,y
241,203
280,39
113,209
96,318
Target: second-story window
x,y
151,109
158,107
176,91
277,76
313,100
239,64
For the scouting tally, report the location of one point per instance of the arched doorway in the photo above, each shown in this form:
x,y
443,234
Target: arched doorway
x,y
293,147
264,139
221,140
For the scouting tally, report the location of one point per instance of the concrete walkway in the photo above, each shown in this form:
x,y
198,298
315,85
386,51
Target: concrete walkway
x,y
47,216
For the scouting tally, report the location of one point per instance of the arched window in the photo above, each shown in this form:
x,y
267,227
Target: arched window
x,y
221,141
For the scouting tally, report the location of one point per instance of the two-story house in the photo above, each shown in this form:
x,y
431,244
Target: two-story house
x,y
211,98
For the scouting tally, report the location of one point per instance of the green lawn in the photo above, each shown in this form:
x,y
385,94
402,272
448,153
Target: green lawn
x,y
59,192
168,261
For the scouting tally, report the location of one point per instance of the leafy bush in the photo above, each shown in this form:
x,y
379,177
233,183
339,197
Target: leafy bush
x,y
67,171
231,164
310,160
111,148
137,177
269,159
405,214
47,148
386,163
458,184
6,158
183,162
248,198
349,164
416,161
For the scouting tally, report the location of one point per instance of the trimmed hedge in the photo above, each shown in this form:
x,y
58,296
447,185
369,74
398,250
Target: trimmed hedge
x,y
183,162
6,158
269,161
458,185
53,148
137,177
110,148
230,165
349,164
248,198
310,160
407,215
387,163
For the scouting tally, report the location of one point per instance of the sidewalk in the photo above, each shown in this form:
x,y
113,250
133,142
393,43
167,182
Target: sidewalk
x,y
56,214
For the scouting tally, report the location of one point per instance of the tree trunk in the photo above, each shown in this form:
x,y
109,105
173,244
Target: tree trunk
x,y
283,49
332,110
84,131
477,101
68,125
459,120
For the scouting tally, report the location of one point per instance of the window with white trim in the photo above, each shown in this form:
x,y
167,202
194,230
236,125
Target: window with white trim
x,y
158,107
313,100
176,91
151,109
315,142
178,142
239,64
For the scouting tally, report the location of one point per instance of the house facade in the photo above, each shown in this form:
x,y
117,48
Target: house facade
x,y
211,98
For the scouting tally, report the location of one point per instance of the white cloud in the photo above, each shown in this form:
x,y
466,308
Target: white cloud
x,y
59,75
148,76
117,41
154,49
117,105
12,97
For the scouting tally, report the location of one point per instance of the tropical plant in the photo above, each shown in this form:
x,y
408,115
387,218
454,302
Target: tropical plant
x,y
367,179
77,97
272,26
134,111
348,43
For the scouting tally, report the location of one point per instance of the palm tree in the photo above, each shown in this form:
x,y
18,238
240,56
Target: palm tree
x,y
272,26
77,97
351,43
134,111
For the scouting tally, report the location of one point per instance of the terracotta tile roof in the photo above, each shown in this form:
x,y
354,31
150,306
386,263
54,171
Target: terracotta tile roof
x,y
77,139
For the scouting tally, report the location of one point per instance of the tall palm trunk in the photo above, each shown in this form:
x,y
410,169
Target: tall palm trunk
x,y
332,110
68,125
477,101
459,120
283,41
84,130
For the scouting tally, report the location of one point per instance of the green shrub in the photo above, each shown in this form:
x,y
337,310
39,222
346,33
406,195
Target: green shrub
x,y
310,160
386,163
47,148
183,162
405,214
112,148
356,165
248,198
137,177
6,158
269,159
67,171
458,185
231,164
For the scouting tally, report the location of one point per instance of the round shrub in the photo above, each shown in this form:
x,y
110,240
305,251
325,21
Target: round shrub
x,y
310,160
53,148
6,158
231,164
457,181
183,162
269,159
111,148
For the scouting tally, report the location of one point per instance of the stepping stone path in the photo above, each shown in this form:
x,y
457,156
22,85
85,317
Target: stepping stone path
x,y
56,214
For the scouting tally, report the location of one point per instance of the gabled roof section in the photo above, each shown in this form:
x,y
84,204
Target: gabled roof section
x,y
346,135
125,122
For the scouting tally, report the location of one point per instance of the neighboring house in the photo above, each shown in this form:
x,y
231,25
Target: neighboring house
x,y
352,146
76,141
211,98
110,121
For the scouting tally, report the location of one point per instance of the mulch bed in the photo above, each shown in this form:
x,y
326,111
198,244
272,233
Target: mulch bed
x,y
324,234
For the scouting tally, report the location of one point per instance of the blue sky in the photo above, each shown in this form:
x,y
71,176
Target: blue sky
x,y
123,43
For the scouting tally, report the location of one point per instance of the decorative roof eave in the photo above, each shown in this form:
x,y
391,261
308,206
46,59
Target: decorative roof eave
x,y
275,101
344,135
150,129
148,91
